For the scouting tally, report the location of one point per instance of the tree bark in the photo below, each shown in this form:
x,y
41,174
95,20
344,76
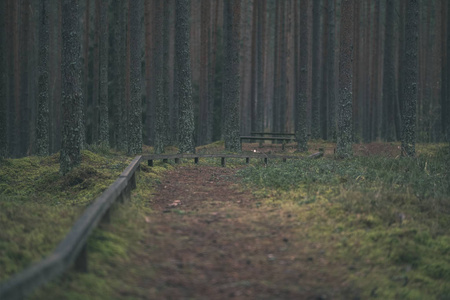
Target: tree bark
x,y
104,50
301,96
184,86
409,109
3,82
71,87
316,72
135,109
231,85
42,126
345,139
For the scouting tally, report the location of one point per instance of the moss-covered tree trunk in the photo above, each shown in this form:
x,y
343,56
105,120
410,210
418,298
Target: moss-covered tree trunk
x,y
183,67
103,99
231,81
42,126
135,110
410,84
3,83
72,100
302,80
345,137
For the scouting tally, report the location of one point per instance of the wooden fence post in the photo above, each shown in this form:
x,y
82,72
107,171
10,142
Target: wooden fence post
x,y
150,162
247,160
223,161
196,160
81,262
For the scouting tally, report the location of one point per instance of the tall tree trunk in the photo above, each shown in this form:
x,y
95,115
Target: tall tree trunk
x,y
71,87
42,126
324,69
94,111
345,140
85,76
276,70
186,125
316,72
159,77
3,82
135,109
24,106
104,50
231,75
260,65
253,57
331,86
445,81
409,109
204,72
302,80
389,96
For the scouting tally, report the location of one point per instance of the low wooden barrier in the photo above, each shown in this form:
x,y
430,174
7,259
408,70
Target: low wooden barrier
x,y
72,249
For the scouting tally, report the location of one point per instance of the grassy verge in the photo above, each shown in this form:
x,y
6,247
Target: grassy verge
x,y
386,219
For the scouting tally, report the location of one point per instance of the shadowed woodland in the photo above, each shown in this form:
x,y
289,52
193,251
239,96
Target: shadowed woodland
x,y
353,205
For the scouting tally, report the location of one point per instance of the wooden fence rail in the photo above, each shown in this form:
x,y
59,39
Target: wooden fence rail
x,y
72,249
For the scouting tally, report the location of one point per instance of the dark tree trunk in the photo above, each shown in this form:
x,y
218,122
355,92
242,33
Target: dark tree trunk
x,y
260,51
3,82
135,109
24,106
72,101
331,86
94,111
231,83
276,71
104,50
389,94
344,140
202,131
410,85
316,72
42,126
445,97
302,80
159,77
184,86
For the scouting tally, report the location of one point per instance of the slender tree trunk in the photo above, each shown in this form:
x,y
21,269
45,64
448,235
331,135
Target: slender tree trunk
x,y
42,126
331,86
135,109
409,109
85,76
24,126
159,81
345,140
104,50
445,81
260,64
204,72
253,55
316,72
276,70
72,101
186,125
302,80
3,82
94,112
231,75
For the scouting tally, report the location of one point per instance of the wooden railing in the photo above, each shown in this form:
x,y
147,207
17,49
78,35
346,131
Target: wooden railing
x,y
72,250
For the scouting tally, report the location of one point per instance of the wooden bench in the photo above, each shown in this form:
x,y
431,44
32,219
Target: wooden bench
x,y
288,137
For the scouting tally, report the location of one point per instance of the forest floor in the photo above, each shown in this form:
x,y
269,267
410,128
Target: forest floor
x,y
375,226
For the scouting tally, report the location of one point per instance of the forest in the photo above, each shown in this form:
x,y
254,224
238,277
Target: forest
x,y
217,149
287,72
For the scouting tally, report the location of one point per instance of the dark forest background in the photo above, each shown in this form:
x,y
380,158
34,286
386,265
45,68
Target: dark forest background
x,y
269,51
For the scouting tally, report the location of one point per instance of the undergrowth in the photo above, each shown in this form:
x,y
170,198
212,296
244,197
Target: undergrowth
x,y
386,218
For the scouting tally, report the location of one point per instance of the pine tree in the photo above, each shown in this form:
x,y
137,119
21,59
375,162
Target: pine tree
x,y
42,126
71,87
410,84
344,140
183,67
3,83
135,110
104,50
231,84
302,80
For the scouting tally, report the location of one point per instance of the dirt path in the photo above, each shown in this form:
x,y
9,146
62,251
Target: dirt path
x,y
210,239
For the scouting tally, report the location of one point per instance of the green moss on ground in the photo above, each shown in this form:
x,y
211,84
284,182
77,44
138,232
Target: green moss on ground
x,y
38,205
386,218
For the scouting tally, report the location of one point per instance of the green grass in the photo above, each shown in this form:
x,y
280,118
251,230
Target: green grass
x,y
388,219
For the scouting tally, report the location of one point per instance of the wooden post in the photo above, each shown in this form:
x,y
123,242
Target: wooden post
x,y
196,160
265,160
283,145
223,161
150,162
132,182
177,160
81,263
247,160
